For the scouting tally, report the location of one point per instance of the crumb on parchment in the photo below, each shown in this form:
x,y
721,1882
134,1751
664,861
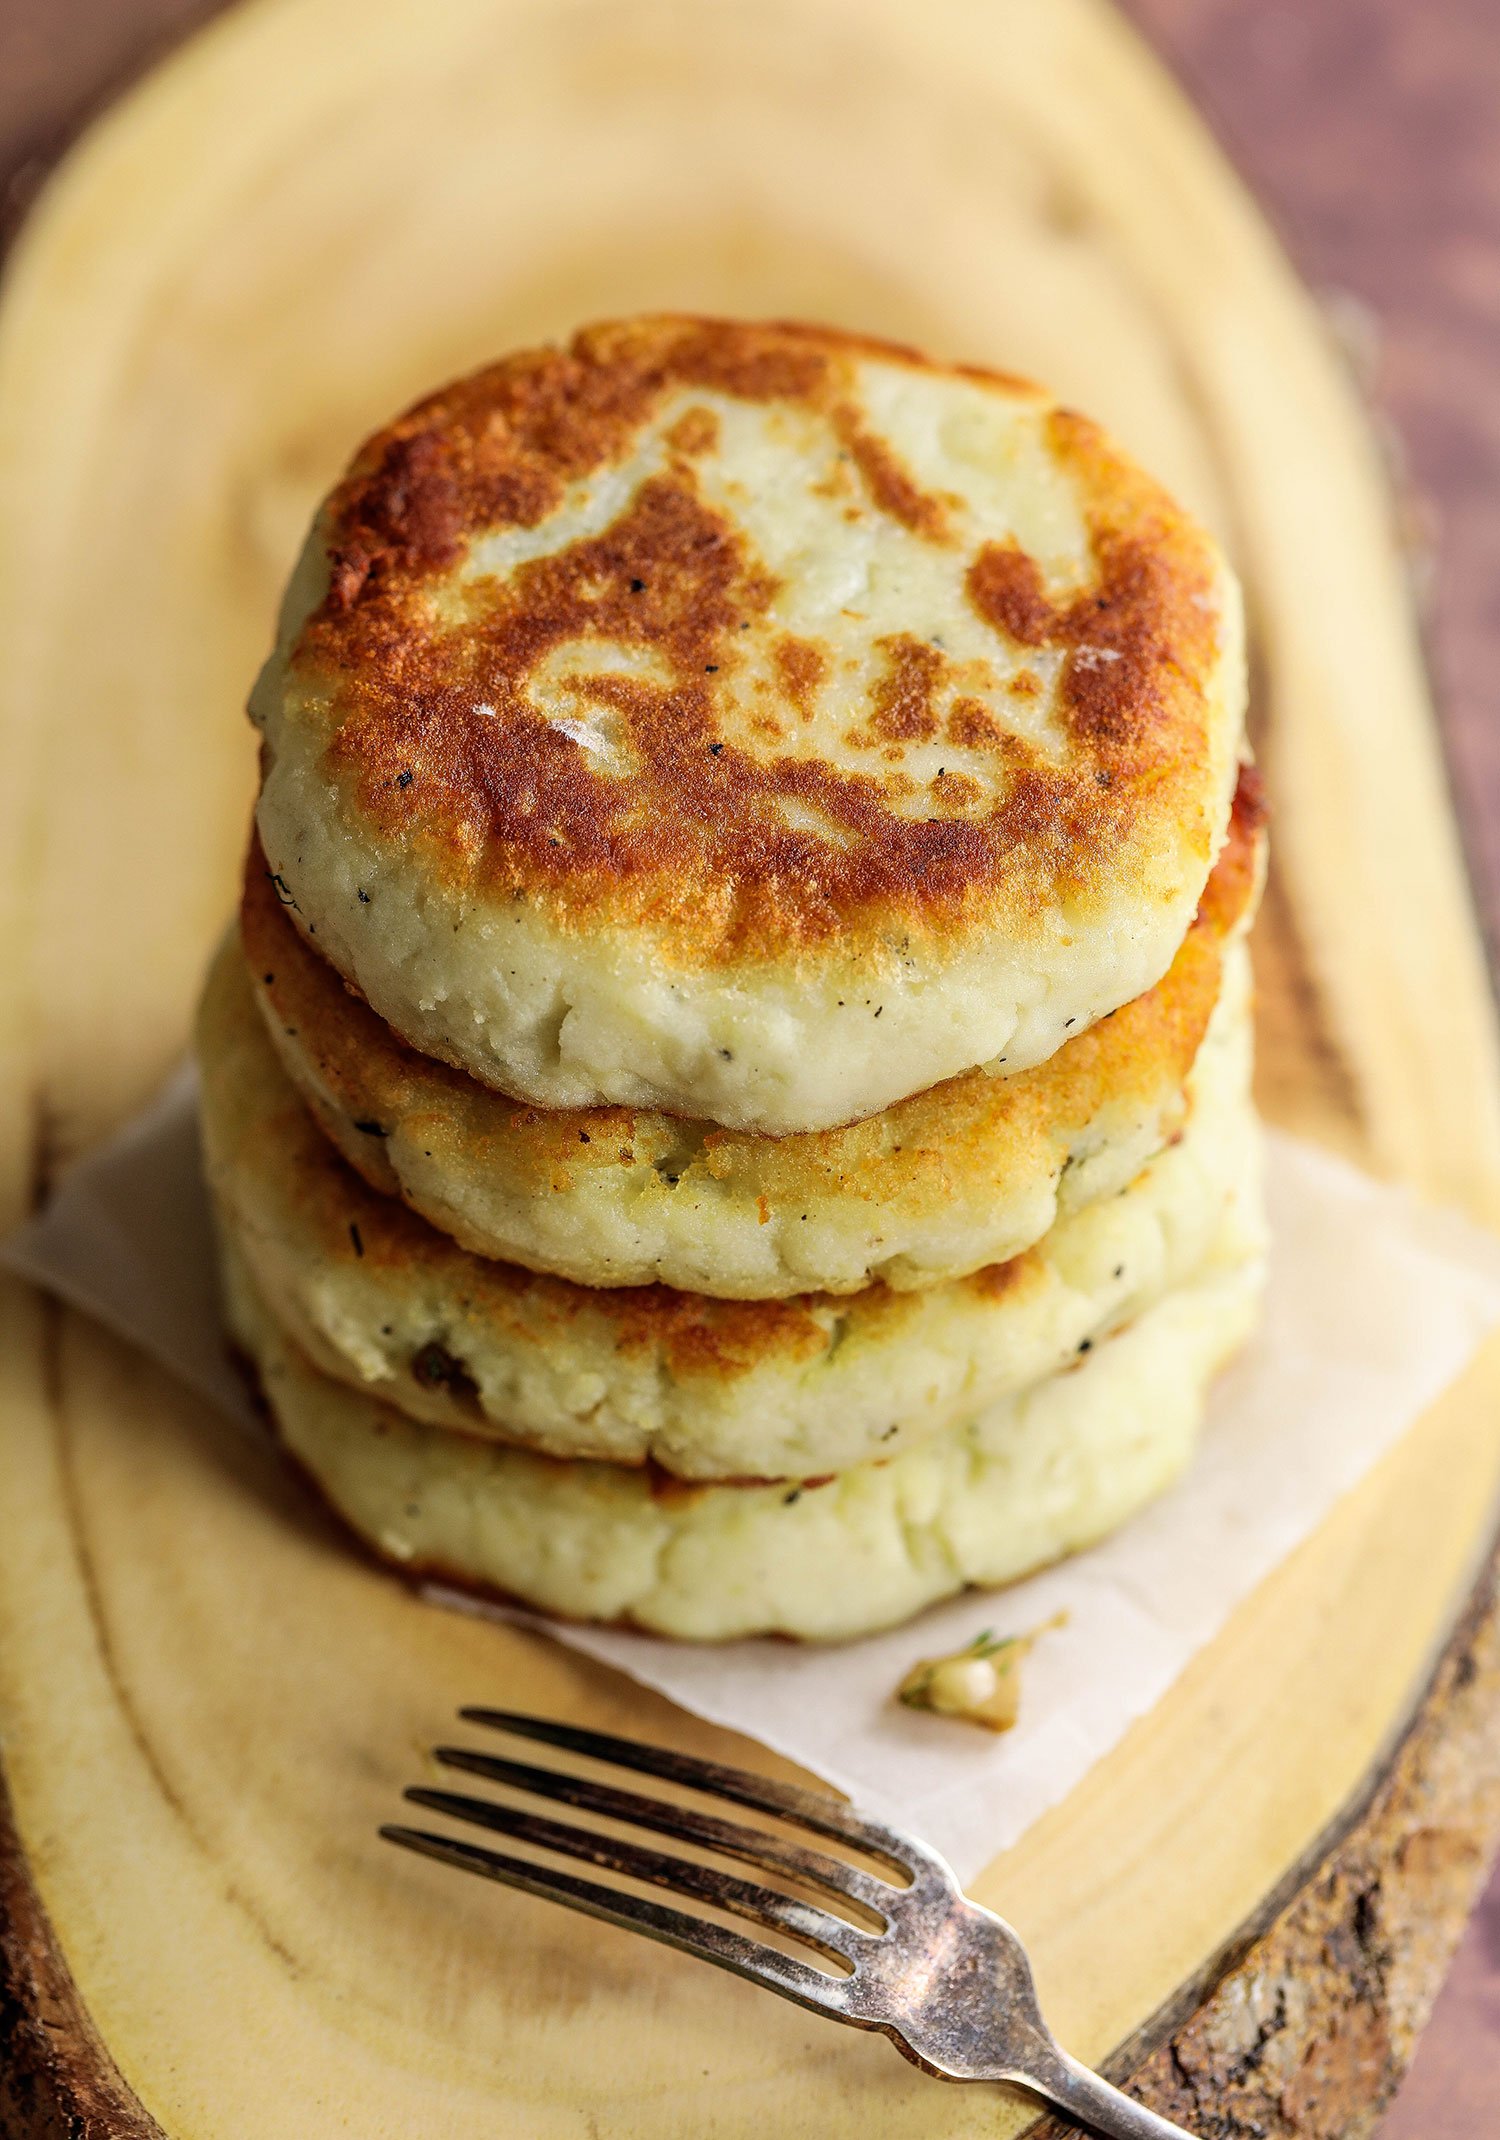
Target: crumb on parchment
x,y
980,1684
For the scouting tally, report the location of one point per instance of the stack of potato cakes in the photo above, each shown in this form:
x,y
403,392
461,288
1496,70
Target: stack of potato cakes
x,y
728,1105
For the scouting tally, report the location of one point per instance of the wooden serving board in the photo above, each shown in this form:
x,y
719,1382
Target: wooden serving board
x,y
207,1703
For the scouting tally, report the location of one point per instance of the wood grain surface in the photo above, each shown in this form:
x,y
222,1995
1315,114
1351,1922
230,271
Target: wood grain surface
x,y
1368,129
1365,128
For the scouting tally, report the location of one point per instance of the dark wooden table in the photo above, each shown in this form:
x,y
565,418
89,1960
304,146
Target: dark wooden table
x,y
1369,129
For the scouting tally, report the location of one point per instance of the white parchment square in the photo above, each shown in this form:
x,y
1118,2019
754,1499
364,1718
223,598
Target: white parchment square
x,y
1375,1304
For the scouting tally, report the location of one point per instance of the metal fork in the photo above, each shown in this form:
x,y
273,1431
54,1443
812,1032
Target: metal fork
x,y
947,1981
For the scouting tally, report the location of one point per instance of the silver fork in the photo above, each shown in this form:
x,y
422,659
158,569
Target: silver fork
x,y
947,1981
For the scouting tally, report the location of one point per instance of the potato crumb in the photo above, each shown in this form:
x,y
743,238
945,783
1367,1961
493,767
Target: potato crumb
x,y
980,1684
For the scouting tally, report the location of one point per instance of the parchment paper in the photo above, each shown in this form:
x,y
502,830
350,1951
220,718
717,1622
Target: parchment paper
x,y
1374,1305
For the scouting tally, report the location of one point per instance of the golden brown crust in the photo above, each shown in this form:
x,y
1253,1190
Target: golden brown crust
x,y
722,839
902,1160
693,1336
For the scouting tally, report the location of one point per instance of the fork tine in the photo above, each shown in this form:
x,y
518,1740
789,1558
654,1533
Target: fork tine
x,y
832,1936
685,1824
823,1815
638,1913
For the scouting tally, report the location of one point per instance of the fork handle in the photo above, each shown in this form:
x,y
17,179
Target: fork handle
x,y
1091,2102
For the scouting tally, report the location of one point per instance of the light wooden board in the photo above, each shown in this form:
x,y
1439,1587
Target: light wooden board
x,y
206,1703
